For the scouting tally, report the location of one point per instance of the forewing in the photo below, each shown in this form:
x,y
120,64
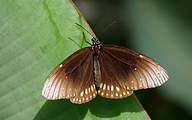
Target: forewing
x,y
72,78
130,69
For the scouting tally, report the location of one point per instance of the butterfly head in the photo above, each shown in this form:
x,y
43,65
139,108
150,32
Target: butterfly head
x,y
96,45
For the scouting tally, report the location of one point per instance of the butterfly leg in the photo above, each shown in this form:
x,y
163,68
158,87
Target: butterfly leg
x,y
85,39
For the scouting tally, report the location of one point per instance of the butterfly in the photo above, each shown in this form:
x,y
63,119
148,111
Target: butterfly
x,y
108,70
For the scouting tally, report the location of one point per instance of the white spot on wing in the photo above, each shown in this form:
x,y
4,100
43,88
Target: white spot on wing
x,y
141,56
91,88
61,65
86,91
104,86
111,87
108,87
117,88
81,94
101,84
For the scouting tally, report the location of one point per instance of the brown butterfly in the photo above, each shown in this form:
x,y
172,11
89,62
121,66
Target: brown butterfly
x,y
108,70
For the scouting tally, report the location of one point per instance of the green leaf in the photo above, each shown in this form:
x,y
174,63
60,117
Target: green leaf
x,y
35,37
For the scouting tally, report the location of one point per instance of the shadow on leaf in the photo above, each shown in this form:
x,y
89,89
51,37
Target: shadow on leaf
x,y
100,107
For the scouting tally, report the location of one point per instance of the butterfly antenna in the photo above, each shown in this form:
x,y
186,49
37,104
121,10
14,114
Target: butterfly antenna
x,y
107,28
84,29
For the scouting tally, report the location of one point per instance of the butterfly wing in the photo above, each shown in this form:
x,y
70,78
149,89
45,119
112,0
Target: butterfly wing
x,y
73,78
125,70
109,85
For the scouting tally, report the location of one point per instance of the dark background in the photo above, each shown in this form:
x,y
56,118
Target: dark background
x,y
161,30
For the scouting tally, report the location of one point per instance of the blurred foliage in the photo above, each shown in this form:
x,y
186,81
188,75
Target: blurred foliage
x,y
161,30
